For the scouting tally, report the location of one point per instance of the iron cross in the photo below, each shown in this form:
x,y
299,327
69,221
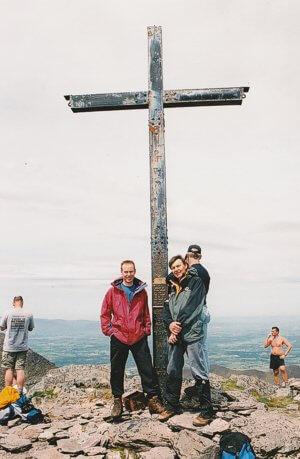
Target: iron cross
x,y
155,99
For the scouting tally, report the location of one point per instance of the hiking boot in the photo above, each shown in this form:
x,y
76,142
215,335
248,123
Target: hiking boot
x,y
200,421
155,406
191,391
117,408
165,415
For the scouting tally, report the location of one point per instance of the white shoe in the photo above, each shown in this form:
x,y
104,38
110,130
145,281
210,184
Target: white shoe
x,y
24,389
283,384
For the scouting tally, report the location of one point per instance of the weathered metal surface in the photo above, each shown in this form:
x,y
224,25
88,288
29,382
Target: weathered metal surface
x,y
156,99
158,203
171,98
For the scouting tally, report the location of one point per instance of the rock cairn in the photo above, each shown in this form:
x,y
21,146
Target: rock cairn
x,y
77,403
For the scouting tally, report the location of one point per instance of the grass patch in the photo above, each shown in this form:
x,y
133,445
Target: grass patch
x,y
272,402
126,453
231,384
44,393
106,394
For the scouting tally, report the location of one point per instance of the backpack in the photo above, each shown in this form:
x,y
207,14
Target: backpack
x,y
6,414
8,395
26,410
236,445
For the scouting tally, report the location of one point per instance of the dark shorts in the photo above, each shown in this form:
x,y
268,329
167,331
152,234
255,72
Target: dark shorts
x,y
276,362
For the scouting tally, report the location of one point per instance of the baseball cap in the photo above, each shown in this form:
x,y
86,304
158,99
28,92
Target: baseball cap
x,y
194,248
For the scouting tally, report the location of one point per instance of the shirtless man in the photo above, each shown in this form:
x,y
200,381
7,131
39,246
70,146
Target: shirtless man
x,y
277,355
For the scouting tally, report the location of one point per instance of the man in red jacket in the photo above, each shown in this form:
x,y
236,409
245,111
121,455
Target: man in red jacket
x,y
125,318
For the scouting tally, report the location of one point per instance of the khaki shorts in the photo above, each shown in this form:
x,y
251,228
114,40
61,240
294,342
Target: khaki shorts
x,y
15,360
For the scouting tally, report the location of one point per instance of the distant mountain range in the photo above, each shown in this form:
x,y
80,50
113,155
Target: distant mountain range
x,y
293,372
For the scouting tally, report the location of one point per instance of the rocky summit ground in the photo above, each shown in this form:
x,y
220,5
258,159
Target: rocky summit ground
x,y
77,400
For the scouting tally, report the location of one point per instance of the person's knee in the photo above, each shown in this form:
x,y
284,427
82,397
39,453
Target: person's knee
x,y
276,372
174,372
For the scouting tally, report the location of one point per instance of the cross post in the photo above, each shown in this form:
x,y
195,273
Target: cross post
x,y
155,100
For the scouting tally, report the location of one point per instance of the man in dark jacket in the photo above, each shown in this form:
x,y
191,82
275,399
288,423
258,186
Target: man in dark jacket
x,y
125,318
183,317
193,258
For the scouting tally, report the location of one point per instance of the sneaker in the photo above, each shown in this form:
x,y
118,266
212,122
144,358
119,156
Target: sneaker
x,y
283,384
200,421
117,408
165,415
155,406
24,390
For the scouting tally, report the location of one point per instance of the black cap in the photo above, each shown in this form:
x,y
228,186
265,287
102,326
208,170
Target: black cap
x,y
194,248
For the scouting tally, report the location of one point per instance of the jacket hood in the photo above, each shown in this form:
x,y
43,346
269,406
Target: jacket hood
x,y
140,285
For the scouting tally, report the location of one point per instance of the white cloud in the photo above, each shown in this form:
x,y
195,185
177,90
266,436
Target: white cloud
x,y
74,188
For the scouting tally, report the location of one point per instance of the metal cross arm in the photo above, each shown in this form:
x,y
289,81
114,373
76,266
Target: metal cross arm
x,y
171,98
155,100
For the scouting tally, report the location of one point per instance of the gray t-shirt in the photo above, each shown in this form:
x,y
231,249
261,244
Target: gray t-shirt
x,y
17,322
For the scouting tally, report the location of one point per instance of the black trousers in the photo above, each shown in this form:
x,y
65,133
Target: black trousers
x,y
141,354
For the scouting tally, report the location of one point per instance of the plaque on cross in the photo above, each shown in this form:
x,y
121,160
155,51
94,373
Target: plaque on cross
x,y
155,99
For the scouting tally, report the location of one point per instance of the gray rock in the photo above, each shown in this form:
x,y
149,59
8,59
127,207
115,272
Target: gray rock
x,y
47,435
190,445
14,444
87,416
31,433
238,422
182,421
142,435
293,406
216,426
69,446
94,440
62,435
294,384
283,392
245,412
158,453
14,422
100,403
271,432
49,453
96,451
241,406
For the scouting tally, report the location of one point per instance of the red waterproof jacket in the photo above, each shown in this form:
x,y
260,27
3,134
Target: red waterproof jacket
x,y
128,322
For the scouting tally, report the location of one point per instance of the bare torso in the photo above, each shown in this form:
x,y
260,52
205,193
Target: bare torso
x,y
277,345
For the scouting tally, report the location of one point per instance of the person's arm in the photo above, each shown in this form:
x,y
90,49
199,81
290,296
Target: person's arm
x,y
267,341
3,323
196,299
106,313
147,319
167,318
205,315
288,346
172,326
31,323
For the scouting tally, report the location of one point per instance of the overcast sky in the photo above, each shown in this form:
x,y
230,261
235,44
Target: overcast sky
x,y
74,188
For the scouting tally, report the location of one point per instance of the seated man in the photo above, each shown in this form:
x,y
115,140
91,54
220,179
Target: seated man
x,y
182,317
